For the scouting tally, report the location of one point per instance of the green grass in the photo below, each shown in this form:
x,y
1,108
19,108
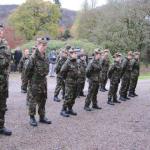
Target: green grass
x,y
145,76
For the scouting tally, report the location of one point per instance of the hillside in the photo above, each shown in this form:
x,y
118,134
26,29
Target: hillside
x,y
67,20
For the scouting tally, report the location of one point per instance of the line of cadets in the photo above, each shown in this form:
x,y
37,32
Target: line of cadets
x,y
72,69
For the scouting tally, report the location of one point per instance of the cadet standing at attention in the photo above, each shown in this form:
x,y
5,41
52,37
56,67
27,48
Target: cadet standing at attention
x,y
105,67
82,74
126,75
114,74
134,74
36,71
60,82
69,72
23,62
5,57
92,73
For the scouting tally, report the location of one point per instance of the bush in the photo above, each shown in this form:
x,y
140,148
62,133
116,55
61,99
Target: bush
x,y
56,44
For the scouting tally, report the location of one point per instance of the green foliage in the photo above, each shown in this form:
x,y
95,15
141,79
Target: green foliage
x,y
35,18
55,44
120,26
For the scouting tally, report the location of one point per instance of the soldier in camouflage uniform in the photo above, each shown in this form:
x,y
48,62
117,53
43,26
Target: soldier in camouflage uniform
x,y
103,74
134,74
36,71
5,58
126,75
82,74
60,82
69,72
92,73
23,62
29,94
114,74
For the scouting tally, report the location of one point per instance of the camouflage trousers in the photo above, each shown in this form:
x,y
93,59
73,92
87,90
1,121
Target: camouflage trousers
x,y
29,93
2,109
103,80
113,90
59,86
133,84
70,95
124,86
80,87
92,93
24,82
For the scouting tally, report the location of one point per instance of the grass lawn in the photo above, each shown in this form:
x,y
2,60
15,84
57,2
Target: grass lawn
x,y
145,76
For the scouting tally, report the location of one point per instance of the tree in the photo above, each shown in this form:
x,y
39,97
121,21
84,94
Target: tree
x,y
35,17
121,25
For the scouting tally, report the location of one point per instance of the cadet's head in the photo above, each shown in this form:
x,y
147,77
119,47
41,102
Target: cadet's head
x,y
136,55
26,52
117,57
64,53
73,53
42,45
1,31
82,56
97,54
130,55
106,53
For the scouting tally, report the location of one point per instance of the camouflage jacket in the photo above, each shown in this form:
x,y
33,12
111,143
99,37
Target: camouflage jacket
x,y
93,70
5,58
126,68
105,65
135,67
114,73
82,68
36,71
59,65
23,63
69,71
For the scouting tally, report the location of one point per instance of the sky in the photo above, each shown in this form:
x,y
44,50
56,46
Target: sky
x,y
70,4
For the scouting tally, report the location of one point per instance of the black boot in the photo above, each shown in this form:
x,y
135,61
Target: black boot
x,y
102,90
122,98
56,99
131,95
110,102
23,91
44,120
135,94
87,108
71,112
5,131
96,107
116,101
64,112
33,121
127,98
105,89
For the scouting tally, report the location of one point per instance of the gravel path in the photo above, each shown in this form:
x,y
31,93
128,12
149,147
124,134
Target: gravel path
x,y
125,126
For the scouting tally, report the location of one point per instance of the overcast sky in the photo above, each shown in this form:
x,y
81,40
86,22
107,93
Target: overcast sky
x,y
70,4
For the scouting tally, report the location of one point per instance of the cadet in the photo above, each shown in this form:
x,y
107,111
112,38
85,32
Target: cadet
x,y
82,74
114,74
92,73
103,74
60,82
126,74
23,62
69,72
5,57
36,71
134,74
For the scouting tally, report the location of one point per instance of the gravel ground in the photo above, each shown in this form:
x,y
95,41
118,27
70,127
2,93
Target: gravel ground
x,y
125,126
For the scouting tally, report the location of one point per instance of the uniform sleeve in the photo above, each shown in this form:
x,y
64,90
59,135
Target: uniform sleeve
x,y
21,65
58,67
89,70
29,69
110,71
64,70
123,66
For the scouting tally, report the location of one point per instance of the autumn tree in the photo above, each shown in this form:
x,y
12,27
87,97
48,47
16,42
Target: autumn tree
x,y
36,17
